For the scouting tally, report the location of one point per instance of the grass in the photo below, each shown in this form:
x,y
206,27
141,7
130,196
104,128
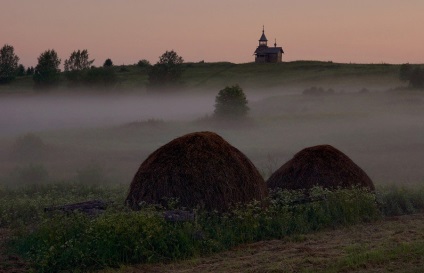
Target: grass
x,y
120,236
218,75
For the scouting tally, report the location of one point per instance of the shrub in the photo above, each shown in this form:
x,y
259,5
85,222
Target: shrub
x,y
79,242
108,63
29,147
231,102
100,77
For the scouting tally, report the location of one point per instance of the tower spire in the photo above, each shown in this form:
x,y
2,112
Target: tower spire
x,y
275,43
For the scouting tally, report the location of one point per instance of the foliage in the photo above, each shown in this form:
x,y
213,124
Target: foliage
x,y
416,79
24,203
76,65
231,102
47,71
108,63
167,72
120,236
78,61
143,63
8,64
30,71
399,200
20,71
405,71
100,77
412,73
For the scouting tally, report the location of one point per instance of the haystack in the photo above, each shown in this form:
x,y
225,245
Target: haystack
x,y
200,170
321,165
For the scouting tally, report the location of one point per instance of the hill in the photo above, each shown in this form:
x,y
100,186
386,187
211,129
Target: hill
x,y
215,76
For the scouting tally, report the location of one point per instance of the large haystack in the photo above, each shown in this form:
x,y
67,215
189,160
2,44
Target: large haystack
x,y
200,169
321,165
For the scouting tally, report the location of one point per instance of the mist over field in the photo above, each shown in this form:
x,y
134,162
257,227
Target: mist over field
x,y
382,132
51,112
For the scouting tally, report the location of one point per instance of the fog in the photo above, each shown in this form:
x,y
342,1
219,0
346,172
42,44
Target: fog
x,y
51,112
383,132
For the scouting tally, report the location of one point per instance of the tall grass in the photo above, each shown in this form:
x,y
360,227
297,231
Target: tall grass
x,y
67,242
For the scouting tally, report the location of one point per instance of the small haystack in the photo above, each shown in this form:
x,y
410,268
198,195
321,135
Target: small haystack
x,y
199,169
321,165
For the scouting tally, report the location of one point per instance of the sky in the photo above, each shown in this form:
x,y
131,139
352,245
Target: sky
x,y
360,31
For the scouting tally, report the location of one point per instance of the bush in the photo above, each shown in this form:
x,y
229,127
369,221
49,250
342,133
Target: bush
x,y
29,147
100,77
231,102
108,63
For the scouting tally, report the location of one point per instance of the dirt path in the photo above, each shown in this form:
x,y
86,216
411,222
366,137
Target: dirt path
x,y
393,245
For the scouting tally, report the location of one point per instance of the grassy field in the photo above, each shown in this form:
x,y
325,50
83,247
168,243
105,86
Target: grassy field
x,y
68,146
215,76
395,244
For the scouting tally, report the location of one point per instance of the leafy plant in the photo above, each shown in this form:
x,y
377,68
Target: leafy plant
x,y
231,102
47,71
8,64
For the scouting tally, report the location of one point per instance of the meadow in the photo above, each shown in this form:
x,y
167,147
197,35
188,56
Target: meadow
x,y
67,146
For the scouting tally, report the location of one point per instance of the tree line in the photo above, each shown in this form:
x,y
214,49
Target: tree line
x,y
79,70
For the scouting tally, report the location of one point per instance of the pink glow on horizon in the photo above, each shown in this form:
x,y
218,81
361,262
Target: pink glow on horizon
x,y
126,31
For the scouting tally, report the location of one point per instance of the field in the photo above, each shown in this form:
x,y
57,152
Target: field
x,y
69,146
393,245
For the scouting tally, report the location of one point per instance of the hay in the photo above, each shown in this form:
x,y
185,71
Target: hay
x,y
321,165
201,170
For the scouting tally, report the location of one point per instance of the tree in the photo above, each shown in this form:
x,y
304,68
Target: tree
x,y
412,73
405,72
231,102
143,63
47,71
78,61
30,71
108,63
416,80
8,64
20,71
167,71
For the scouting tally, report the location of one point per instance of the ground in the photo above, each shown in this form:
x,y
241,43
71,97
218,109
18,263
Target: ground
x,y
395,244
9,263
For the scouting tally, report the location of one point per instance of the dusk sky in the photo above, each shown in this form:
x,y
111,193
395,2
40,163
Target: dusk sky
x,y
361,31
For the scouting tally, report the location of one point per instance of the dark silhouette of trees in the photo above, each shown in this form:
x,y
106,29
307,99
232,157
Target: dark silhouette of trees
x,y
8,64
76,65
231,102
47,71
143,63
30,71
412,73
20,71
78,61
108,63
405,72
416,79
167,71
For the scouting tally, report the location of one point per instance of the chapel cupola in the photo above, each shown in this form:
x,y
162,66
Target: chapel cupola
x,y
263,40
